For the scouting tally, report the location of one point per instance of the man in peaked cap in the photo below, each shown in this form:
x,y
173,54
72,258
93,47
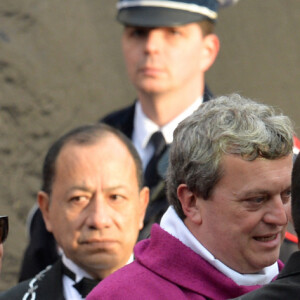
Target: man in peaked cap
x,y
168,46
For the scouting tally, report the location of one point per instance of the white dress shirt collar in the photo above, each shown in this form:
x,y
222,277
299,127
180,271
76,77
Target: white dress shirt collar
x,y
143,128
70,293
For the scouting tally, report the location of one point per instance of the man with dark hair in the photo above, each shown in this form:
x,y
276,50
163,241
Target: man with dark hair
x,y
287,284
93,202
228,183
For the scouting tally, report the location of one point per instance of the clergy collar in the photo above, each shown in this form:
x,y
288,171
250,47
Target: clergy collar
x,y
171,223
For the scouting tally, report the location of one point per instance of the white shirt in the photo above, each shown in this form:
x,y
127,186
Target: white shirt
x,y
143,128
70,293
171,223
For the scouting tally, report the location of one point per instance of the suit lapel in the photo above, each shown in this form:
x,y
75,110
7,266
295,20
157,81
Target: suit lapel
x,y
50,286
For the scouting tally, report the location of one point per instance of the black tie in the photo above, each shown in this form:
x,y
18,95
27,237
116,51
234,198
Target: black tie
x,y
151,175
84,286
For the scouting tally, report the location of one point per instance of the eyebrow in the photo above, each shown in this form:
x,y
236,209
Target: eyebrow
x,y
81,188
258,191
87,189
116,187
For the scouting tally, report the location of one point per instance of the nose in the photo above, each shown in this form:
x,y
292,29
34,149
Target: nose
x,y
153,41
276,213
99,214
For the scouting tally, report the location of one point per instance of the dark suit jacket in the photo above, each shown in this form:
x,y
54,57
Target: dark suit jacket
x,y
285,287
41,250
47,285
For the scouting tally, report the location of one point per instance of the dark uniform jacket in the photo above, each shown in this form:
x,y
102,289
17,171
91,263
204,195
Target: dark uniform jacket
x,y
46,285
286,286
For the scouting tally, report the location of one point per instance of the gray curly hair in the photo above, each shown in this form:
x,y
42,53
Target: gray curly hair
x,y
225,125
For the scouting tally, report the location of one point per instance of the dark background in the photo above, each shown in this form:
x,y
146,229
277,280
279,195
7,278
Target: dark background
x,y
61,66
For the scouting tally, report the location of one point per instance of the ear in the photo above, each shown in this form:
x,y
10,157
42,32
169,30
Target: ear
x,y
211,46
288,211
190,204
144,200
44,204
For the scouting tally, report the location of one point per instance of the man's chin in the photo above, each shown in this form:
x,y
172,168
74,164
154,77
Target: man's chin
x,y
101,267
267,262
151,87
